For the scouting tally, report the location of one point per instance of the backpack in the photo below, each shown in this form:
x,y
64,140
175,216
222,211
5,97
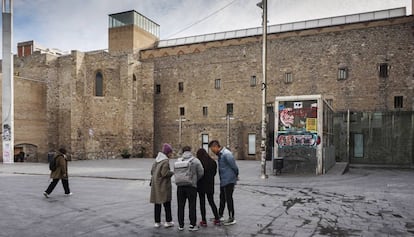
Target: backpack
x,y
183,172
53,164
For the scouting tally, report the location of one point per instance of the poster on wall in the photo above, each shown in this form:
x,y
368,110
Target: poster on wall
x,y
298,116
298,124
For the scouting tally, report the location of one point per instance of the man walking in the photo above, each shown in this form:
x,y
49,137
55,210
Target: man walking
x,y
228,172
60,173
188,170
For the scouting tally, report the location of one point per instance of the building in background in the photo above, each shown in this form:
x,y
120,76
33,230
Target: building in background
x,y
143,91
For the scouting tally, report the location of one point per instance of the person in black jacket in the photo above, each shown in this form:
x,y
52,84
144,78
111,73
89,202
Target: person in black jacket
x,y
205,186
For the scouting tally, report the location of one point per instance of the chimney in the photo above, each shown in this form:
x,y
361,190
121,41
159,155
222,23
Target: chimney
x,y
26,48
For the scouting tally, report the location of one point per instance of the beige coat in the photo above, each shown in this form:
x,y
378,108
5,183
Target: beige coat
x,y
61,171
161,190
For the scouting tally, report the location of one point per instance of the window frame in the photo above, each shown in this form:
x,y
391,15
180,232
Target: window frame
x,y
217,84
342,73
157,89
383,70
288,77
253,81
180,86
99,81
229,109
205,111
398,102
182,111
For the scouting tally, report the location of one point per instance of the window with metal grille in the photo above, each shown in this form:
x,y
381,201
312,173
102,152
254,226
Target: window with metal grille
x,y
398,102
383,70
217,84
229,109
288,77
253,81
342,73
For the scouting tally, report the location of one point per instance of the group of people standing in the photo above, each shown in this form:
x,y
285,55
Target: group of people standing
x,y
202,171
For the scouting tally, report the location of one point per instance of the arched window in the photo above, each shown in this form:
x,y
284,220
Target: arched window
x,y
98,84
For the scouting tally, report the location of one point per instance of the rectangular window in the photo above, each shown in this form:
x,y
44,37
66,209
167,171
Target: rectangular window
x,y
358,145
217,84
180,86
204,141
342,73
253,81
252,144
288,77
383,70
182,111
205,111
398,102
158,89
229,109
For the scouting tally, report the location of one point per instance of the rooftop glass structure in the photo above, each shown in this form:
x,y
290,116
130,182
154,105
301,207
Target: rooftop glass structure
x,y
134,18
302,25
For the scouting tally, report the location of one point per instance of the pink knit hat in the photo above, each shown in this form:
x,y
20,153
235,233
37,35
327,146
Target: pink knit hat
x,y
166,148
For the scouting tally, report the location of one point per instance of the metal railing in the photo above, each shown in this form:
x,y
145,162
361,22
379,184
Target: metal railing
x,y
301,25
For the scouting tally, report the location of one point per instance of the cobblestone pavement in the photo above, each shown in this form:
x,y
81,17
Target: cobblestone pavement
x,y
111,198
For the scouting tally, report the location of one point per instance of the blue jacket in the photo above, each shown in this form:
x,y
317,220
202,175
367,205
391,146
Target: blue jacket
x,y
228,169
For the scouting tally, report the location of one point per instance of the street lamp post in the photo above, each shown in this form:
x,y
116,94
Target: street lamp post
x,y
228,118
263,5
180,129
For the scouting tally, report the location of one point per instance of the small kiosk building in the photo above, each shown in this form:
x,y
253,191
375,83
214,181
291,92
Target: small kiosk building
x,y
304,134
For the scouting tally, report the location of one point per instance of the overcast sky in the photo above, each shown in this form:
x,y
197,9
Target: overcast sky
x,y
83,24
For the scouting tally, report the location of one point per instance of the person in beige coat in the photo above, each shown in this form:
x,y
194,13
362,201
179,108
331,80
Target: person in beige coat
x,y
60,173
161,190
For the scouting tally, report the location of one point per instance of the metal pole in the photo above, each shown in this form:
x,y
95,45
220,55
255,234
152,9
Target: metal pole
x,y
228,130
180,130
348,117
264,54
7,83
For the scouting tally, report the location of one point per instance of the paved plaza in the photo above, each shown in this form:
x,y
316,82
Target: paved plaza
x,y
111,198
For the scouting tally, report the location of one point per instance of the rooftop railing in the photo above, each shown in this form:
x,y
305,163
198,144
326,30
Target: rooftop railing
x,y
301,25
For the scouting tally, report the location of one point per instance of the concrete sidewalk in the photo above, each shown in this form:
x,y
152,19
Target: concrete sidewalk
x,y
111,198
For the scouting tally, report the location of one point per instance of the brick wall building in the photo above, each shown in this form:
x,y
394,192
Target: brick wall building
x,y
188,93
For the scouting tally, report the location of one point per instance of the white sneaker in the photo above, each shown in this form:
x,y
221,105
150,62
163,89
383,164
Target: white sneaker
x,y
68,194
45,194
180,228
193,228
168,224
157,224
230,221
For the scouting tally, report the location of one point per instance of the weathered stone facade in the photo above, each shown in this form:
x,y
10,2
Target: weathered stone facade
x,y
312,56
145,93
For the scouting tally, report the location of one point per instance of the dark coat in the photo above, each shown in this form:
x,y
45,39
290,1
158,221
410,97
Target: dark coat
x,y
161,190
61,171
206,183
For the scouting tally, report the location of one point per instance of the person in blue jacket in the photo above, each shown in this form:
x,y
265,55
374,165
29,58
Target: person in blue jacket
x,y
228,172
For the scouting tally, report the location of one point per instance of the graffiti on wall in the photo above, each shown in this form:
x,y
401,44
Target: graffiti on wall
x,y
298,124
298,116
289,139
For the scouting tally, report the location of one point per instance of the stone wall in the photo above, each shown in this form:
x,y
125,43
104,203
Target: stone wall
x,y
312,56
